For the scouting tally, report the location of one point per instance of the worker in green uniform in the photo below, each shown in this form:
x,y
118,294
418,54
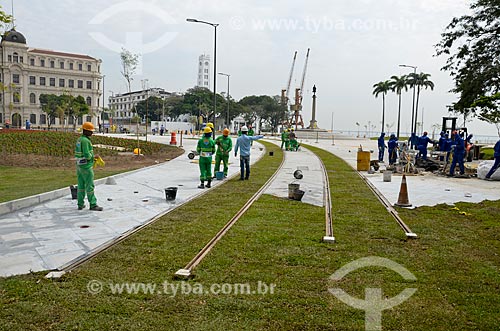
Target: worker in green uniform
x,y
84,155
287,139
224,146
283,133
206,148
250,133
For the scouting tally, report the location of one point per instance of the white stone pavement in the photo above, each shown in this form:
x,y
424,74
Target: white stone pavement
x,y
49,235
312,182
423,190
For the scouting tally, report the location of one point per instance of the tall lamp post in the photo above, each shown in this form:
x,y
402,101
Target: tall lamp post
x,y
215,25
227,75
413,127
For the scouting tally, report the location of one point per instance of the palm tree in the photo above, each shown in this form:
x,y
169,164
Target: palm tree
x,y
397,85
382,87
420,80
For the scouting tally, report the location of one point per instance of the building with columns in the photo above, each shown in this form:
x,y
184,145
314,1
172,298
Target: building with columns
x,y
26,73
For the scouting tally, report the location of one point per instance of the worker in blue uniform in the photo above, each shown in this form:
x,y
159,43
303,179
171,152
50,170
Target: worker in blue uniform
x,y
381,147
393,146
458,147
497,160
422,145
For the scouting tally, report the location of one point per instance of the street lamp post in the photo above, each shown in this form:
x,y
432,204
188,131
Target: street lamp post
x,y
227,75
413,127
215,25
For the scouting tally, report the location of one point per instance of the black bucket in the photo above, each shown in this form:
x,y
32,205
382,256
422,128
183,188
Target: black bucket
x,y
298,194
170,193
74,192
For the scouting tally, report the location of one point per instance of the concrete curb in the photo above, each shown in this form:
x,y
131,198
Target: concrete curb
x,y
15,205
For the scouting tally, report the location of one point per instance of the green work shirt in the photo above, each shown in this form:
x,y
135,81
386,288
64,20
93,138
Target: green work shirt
x,y
224,145
84,152
251,132
206,147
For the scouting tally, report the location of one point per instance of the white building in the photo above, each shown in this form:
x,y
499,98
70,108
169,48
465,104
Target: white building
x,y
25,73
204,71
122,105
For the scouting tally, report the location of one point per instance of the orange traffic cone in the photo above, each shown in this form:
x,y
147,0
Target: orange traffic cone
x,y
403,200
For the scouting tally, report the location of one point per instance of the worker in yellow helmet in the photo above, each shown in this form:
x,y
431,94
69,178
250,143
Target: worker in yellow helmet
x,y
85,157
206,148
224,146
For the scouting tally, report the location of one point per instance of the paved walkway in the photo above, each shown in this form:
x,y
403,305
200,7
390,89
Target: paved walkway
x,y
50,235
423,190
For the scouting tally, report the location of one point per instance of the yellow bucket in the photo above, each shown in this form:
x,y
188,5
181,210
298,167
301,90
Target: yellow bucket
x,y
363,161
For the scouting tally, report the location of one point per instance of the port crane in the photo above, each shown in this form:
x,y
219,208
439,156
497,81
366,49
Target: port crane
x,y
296,108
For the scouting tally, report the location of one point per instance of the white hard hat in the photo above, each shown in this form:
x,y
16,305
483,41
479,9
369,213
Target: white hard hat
x,y
244,128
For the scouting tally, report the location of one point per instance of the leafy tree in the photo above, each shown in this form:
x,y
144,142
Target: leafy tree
x,y
421,81
472,44
382,88
263,109
60,106
49,104
154,106
397,85
4,19
490,110
129,65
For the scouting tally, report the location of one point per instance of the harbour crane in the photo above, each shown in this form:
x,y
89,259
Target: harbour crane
x,y
286,92
297,107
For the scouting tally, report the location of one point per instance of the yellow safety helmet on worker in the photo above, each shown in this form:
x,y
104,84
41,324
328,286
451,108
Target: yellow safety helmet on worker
x,y
207,129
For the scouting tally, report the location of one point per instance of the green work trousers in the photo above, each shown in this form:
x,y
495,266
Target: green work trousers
x,y
85,186
224,159
205,168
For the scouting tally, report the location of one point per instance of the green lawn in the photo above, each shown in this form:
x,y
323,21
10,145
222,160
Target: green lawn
x,y
17,182
277,242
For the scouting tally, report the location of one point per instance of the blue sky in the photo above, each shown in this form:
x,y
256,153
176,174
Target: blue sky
x,y
354,44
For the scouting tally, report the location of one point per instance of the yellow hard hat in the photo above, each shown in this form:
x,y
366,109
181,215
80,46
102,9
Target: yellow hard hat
x,y
210,125
88,126
225,132
207,129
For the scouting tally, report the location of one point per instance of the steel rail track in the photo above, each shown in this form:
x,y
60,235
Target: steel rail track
x,y
408,232
71,265
187,271
327,198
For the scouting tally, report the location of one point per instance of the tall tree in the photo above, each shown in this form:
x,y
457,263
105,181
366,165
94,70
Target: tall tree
x,y
129,65
421,81
382,88
49,103
4,19
472,44
397,85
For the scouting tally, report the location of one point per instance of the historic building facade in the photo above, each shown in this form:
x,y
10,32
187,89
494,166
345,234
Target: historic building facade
x,y
122,105
26,73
